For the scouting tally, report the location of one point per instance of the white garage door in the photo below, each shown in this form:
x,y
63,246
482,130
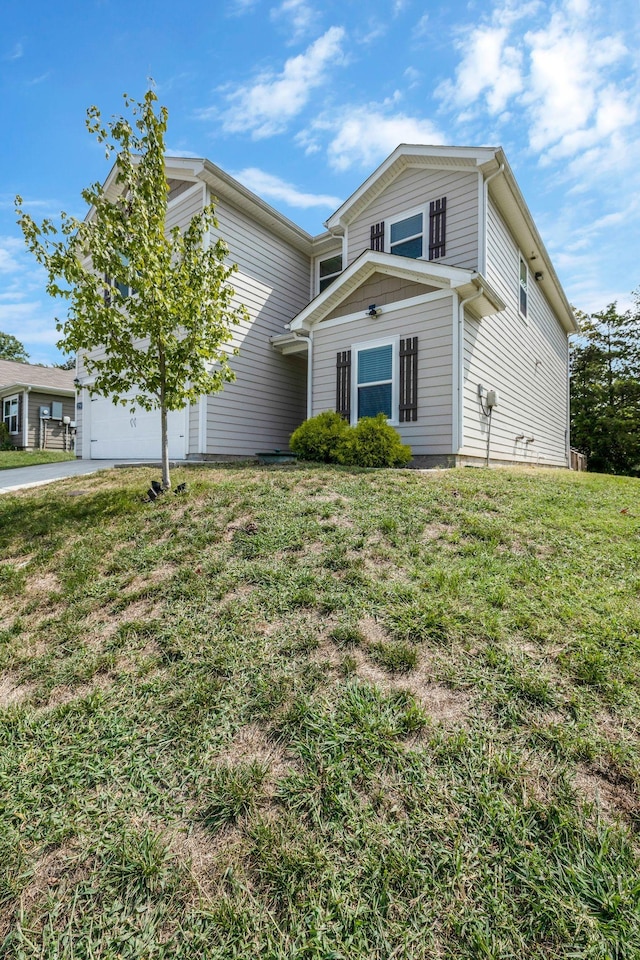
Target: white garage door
x,y
118,434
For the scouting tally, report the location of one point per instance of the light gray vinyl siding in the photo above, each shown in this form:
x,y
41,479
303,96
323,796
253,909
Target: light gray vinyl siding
x,y
525,360
267,401
415,188
432,323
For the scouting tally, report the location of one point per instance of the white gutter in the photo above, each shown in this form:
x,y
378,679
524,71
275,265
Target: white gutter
x,y
309,341
459,419
496,173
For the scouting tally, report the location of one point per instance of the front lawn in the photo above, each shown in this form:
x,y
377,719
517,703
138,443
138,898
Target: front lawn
x,y
303,712
27,458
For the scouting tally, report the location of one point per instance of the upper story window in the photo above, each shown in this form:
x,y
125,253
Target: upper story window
x,y
10,414
523,287
328,270
405,236
420,234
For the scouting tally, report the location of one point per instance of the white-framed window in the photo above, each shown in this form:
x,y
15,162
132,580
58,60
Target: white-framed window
x,y
406,235
375,379
328,270
10,413
523,287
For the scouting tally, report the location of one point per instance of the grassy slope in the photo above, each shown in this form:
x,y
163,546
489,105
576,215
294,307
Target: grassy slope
x,y
321,713
27,458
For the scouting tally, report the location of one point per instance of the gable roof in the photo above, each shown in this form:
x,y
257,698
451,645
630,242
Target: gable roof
x,y
492,164
49,379
465,282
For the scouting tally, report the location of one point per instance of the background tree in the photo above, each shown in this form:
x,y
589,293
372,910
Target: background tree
x,y
159,303
12,349
605,391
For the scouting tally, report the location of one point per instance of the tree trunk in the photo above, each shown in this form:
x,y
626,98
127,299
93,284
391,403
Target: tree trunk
x,y
166,478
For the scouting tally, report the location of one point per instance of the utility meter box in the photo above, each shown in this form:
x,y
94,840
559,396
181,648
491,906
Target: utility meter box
x,y
492,399
45,413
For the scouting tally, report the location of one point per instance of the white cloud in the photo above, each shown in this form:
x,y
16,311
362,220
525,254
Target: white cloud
x,y
16,53
558,63
268,186
490,66
31,322
266,106
421,28
362,136
10,247
572,102
301,16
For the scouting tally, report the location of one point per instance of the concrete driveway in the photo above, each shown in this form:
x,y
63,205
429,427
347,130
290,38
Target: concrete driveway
x,y
20,478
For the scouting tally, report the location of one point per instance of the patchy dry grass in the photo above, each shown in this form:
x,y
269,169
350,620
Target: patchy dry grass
x,y
312,713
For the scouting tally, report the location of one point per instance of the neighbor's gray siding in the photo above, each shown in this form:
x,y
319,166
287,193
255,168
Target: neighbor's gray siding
x,y
267,401
432,323
526,360
55,434
415,188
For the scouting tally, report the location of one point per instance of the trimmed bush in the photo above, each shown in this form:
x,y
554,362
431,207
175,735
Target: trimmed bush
x,y
319,437
373,443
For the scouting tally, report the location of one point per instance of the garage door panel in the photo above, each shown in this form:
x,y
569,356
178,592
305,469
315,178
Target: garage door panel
x,y
117,432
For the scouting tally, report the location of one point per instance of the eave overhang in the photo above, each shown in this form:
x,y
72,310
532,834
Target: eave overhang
x,y
40,387
404,156
466,283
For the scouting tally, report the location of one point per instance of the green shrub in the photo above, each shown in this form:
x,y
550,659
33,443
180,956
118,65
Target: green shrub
x,y
373,443
5,438
319,437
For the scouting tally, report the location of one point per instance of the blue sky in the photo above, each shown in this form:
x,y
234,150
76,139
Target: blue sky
x,y
301,101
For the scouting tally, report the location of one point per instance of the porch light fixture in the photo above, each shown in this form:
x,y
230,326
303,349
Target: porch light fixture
x,y
372,310
538,276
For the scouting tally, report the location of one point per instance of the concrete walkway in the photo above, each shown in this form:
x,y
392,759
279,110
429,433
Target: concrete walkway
x,y
19,478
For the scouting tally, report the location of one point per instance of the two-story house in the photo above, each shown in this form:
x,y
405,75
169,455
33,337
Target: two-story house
x,y
430,297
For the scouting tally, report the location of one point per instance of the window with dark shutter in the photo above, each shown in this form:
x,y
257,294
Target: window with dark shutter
x,y
437,228
408,379
343,384
377,237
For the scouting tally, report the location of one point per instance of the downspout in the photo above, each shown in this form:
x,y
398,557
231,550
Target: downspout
x,y
309,341
496,173
460,362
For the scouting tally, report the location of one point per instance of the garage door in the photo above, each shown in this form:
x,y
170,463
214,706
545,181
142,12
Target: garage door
x,y
119,434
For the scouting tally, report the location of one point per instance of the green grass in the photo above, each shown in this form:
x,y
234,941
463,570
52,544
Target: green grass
x,y
9,459
321,713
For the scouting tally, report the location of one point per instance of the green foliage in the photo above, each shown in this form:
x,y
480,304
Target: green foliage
x,y
373,443
318,437
605,391
327,438
12,349
5,437
165,314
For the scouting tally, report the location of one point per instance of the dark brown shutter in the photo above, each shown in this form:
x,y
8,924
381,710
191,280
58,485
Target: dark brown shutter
x,y
343,384
437,228
408,379
107,291
377,236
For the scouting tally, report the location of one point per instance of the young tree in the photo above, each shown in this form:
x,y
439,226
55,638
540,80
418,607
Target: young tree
x,y
159,303
12,349
605,391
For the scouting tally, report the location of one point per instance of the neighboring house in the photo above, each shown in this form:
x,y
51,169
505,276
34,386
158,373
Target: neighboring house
x,y
430,297
38,405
